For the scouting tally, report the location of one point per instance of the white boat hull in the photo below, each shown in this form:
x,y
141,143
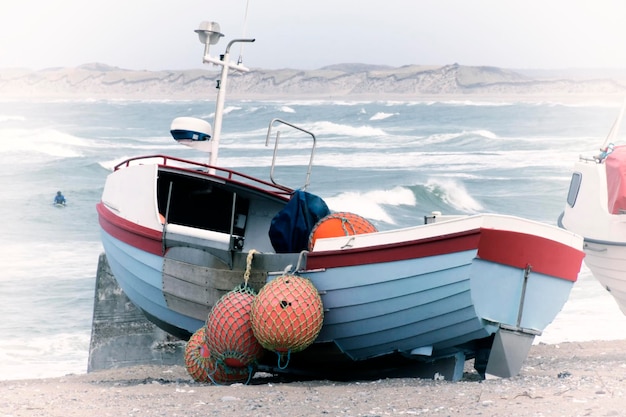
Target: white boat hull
x,y
592,211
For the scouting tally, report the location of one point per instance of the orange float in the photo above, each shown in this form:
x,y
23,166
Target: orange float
x,y
229,334
340,224
202,367
197,357
287,314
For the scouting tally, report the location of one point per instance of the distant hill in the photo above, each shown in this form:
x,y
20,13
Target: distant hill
x,y
350,81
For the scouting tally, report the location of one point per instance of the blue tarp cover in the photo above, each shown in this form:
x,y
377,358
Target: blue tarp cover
x,y
291,227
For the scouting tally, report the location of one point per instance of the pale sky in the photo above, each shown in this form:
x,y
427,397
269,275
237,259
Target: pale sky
x,y
158,34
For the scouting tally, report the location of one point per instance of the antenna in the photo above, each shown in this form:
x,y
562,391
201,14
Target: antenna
x,y
209,34
243,32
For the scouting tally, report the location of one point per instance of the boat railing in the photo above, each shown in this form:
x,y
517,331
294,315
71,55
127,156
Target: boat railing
x,y
292,126
208,170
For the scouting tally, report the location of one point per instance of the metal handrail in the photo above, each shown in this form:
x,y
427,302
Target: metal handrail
x,y
267,139
202,168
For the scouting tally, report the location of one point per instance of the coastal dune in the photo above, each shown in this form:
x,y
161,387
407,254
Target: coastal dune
x,y
568,379
341,81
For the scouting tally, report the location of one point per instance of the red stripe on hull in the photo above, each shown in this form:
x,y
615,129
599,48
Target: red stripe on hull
x,y
423,248
500,246
140,237
520,250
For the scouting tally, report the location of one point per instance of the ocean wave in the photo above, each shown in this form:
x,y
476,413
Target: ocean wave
x,y
48,142
343,130
316,103
370,204
210,116
464,134
110,164
446,195
382,116
38,145
11,117
453,193
357,204
477,103
45,355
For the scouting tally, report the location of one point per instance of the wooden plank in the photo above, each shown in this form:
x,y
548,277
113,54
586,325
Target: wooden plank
x,y
192,289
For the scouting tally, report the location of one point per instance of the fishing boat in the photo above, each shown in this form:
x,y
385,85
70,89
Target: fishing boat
x,y
596,209
179,234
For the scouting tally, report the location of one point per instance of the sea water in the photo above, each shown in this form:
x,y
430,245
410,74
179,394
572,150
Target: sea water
x,y
392,162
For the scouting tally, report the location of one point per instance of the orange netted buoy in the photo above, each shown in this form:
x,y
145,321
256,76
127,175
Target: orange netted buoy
x,y
203,368
340,224
229,334
287,314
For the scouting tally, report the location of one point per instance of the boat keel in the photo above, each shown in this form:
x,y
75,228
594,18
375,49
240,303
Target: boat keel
x,y
509,350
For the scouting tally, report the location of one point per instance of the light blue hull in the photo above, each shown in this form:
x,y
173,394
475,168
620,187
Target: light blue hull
x,y
140,275
502,294
375,309
439,302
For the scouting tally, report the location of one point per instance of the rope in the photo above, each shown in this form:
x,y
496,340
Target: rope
x,y
344,222
282,355
287,316
300,260
246,275
229,374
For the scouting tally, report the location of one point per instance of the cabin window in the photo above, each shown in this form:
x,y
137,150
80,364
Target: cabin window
x,y
574,186
196,202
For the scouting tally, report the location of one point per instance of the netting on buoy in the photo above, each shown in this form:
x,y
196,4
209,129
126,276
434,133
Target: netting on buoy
x,y
222,374
197,356
229,334
340,224
202,367
225,349
287,314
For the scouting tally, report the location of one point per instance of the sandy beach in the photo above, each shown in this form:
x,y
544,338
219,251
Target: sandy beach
x,y
568,379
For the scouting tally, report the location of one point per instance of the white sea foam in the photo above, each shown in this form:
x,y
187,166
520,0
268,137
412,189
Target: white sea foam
x,y
482,103
454,194
445,137
110,164
44,356
343,130
359,204
287,109
10,117
317,103
45,142
382,116
227,109
481,132
47,287
369,204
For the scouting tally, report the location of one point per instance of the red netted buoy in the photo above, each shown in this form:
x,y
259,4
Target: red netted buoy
x,y
197,357
220,373
287,314
340,224
202,366
229,333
